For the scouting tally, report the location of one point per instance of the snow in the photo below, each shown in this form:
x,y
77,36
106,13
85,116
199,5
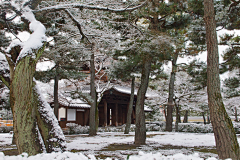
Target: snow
x,y
43,66
35,40
221,48
47,114
128,91
90,145
4,65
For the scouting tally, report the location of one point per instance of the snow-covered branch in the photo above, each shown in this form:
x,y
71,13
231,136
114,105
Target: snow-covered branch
x,y
77,23
90,7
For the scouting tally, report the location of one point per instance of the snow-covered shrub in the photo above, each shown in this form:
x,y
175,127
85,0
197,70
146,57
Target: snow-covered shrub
x,y
156,126
116,129
202,128
5,129
77,129
153,126
195,128
236,126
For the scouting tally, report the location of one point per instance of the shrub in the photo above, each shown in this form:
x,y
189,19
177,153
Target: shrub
x,y
5,129
202,128
153,126
77,129
195,128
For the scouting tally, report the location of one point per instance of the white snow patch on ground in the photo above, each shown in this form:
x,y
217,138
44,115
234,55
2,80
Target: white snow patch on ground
x,y
5,139
89,147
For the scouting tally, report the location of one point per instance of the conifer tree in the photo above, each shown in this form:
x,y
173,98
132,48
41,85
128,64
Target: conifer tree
x,y
125,70
173,19
225,137
144,52
66,57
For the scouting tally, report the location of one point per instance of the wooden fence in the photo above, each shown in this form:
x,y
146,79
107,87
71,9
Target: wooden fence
x,y
8,123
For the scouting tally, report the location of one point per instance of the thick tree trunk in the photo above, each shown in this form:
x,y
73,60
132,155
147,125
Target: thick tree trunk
x,y
130,108
25,109
170,104
185,119
92,118
56,104
140,132
35,126
225,137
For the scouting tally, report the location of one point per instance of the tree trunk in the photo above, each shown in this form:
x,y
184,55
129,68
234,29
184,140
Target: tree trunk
x,y
140,132
51,133
178,120
170,104
179,115
208,120
130,108
56,104
225,137
204,119
30,135
25,129
185,119
92,118
236,115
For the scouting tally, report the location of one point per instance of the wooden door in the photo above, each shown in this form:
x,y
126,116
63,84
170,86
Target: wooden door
x,y
80,118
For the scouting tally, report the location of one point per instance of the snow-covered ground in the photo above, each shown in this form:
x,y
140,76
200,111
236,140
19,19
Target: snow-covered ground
x,y
160,145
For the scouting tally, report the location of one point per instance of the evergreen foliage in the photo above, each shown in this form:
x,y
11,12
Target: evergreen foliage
x,y
198,71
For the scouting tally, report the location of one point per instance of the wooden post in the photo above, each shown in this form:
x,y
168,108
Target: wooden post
x,y
66,114
116,114
105,113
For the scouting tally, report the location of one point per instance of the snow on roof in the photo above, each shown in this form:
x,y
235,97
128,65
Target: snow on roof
x,y
78,103
127,90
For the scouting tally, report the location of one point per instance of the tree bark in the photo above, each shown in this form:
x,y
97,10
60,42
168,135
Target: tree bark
x,y
170,104
185,119
25,108
236,115
50,131
140,131
30,135
92,118
178,118
225,137
130,108
56,104
204,119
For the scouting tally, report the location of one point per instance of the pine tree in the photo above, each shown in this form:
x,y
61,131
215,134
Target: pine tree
x,y
225,137
143,53
66,57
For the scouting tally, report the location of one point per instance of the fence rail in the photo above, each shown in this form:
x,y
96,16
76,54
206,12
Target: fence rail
x,y
8,123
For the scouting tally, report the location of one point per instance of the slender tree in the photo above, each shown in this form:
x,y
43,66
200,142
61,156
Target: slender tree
x,y
225,137
130,108
92,119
